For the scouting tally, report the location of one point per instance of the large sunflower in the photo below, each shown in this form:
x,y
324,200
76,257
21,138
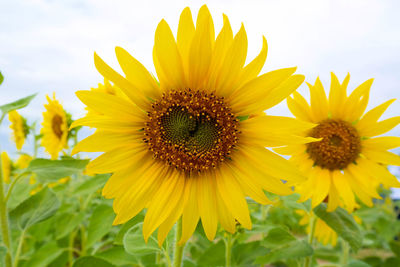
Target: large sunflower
x,y
55,128
189,146
19,127
349,161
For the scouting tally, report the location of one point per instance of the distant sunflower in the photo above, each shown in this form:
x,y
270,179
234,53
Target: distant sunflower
x,y
55,128
348,161
19,127
189,146
5,167
23,161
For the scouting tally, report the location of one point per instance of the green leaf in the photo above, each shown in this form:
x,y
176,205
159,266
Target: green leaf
x,y
36,208
3,252
100,224
44,255
51,170
20,103
342,223
357,263
395,247
276,237
1,78
67,222
390,262
91,184
118,256
134,242
292,250
90,261
119,238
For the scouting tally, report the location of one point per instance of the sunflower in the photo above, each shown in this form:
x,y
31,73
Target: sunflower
x,y
5,167
189,146
19,127
23,161
349,161
55,128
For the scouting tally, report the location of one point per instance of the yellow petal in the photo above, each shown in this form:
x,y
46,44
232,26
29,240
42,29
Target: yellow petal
x,y
344,190
127,87
168,57
190,216
300,109
322,186
334,200
162,205
224,216
372,116
357,101
382,143
233,197
380,127
337,97
111,105
251,97
384,157
108,123
361,194
207,204
116,159
252,69
200,50
319,103
184,37
233,63
137,74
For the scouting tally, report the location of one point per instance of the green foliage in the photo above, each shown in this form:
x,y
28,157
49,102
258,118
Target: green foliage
x,y
20,103
100,223
35,209
51,170
1,78
343,224
90,261
135,245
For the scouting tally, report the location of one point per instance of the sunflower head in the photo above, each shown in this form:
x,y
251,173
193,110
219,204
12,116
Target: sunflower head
x,y
23,161
349,161
55,128
191,144
19,127
6,167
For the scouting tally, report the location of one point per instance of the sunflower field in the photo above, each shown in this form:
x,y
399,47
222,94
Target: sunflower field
x,y
186,167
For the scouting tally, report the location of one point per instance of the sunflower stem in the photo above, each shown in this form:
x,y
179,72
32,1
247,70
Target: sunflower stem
x,y
19,248
345,253
5,230
178,249
228,249
308,260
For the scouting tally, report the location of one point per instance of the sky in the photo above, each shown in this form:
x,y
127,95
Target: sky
x,y
47,46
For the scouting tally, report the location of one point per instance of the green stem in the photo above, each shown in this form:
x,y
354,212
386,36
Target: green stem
x,y
19,248
10,189
307,262
345,253
178,249
4,217
228,249
71,248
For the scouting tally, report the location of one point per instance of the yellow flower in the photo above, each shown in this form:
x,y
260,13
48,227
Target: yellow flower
x,y
349,161
6,167
23,161
59,182
189,146
19,127
55,128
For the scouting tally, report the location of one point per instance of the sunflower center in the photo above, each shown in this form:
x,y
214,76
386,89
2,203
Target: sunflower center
x,y
191,130
340,144
56,125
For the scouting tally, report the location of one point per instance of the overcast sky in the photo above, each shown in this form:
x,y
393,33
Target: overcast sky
x,y
48,46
